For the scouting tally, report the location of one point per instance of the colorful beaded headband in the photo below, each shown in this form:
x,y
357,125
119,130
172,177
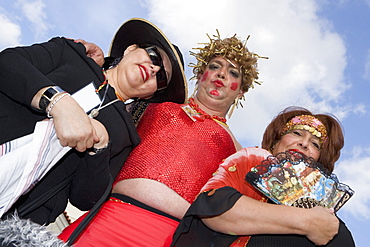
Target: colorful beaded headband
x,y
309,123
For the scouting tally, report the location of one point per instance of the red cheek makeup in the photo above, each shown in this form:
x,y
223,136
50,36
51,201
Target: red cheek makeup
x,y
234,86
204,77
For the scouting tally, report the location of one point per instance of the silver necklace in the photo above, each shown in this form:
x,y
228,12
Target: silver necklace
x,y
95,112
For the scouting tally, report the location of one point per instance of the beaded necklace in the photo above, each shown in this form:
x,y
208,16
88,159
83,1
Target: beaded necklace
x,y
202,114
105,82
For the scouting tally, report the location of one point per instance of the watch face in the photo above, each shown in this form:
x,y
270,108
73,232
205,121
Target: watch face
x,y
48,95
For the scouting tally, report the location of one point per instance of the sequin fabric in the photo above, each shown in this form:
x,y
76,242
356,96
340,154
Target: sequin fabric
x,y
177,151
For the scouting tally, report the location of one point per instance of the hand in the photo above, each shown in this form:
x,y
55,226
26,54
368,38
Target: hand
x,y
323,225
72,125
101,132
93,51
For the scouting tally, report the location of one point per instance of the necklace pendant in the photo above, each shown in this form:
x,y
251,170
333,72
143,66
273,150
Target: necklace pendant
x,y
94,113
192,113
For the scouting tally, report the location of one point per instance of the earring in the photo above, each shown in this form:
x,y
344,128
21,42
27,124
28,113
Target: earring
x,y
235,104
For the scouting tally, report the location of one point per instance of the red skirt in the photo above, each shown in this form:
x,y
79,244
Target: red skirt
x,y
123,224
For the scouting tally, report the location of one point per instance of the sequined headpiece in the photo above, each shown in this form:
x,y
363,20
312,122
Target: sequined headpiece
x,y
309,123
233,49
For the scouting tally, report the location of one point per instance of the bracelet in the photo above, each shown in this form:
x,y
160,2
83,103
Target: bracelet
x,y
52,104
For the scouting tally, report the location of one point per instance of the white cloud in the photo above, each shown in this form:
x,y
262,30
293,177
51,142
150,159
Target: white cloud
x,y
35,13
354,172
10,32
305,66
306,58
89,20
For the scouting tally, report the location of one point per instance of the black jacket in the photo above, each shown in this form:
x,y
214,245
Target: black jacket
x,y
23,72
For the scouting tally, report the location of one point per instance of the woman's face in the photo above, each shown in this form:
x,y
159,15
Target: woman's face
x,y
220,82
136,73
299,140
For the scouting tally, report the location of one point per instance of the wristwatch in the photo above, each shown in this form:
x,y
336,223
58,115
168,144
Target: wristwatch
x,y
48,96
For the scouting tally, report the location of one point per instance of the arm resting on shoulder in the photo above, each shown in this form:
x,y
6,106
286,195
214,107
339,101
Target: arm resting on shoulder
x,y
93,51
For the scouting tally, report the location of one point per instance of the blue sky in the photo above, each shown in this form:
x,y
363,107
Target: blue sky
x,y
319,58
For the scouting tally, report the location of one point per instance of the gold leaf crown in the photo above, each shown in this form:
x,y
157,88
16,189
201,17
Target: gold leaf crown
x,y
233,49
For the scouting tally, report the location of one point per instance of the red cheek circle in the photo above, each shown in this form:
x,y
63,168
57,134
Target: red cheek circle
x,y
234,86
214,92
204,77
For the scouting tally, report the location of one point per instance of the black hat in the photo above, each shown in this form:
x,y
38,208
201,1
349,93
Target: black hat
x,y
142,32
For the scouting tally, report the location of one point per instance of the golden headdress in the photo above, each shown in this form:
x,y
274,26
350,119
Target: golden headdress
x,y
233,49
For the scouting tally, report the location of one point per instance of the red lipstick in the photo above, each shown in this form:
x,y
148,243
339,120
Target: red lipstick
x,y
215,93
144,72
218,83
295,150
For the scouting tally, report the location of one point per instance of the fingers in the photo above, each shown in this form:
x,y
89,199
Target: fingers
x,y
74,128
80,140
82,145
101,132
96,54
331,210
72,125
93,51
80,41
96,138
324,225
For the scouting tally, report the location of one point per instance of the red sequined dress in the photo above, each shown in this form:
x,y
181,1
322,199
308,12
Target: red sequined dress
x,y
186,155
174,150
